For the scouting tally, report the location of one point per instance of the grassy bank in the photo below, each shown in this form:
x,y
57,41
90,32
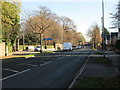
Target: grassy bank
x,y
99,53
101,60
28,55
104,61
113,82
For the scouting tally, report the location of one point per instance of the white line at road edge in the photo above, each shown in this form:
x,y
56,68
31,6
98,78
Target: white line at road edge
x,y
80,72
14,74
45,63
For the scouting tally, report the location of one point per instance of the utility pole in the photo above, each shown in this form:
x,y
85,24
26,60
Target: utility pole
x,y
103,30
119,20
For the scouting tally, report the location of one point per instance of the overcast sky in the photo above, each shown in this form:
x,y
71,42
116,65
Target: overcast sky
x,y
84,13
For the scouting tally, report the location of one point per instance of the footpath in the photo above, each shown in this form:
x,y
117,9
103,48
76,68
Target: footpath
x,y
100,72
25,53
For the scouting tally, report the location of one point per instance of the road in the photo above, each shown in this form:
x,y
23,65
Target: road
x,y
55,70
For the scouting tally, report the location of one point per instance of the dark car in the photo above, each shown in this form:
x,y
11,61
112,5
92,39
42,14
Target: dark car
x,y
74,47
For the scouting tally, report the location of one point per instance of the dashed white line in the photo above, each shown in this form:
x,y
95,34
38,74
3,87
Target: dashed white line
x,y
60,58
45,63
25,63
32,65
10,70
14,74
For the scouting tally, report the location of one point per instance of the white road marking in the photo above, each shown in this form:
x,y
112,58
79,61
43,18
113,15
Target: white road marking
x,y
14,74
60,58
10,70
45,63
32,65
25,63
80,72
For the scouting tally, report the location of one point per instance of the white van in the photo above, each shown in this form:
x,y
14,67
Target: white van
x,y
31,48
67,46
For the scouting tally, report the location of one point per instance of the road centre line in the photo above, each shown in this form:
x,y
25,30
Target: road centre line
x,y
10,70
60,58
45,63
14,74
79,73
32,65
25,63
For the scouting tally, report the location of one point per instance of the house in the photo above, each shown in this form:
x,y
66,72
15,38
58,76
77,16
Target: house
x,y
114,37
119,34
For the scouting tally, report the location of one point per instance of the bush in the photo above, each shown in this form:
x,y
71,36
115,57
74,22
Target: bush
x,y
100,53
117,45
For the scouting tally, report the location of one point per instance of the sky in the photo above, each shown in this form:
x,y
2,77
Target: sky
x,y
84,13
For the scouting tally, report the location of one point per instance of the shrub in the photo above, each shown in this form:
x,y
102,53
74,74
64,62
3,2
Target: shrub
x,y
117,45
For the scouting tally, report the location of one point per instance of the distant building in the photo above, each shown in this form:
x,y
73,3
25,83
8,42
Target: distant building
x,y
114,37
119,34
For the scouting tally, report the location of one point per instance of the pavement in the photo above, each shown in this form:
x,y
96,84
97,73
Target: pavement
x,y
115,57
99,70
21,53
18,54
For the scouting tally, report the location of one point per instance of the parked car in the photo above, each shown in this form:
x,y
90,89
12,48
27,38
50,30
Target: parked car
x,y
79,47
30,48
74,47
38,48
67,46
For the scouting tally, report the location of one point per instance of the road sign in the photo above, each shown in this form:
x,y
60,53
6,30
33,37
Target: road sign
x,y
47,39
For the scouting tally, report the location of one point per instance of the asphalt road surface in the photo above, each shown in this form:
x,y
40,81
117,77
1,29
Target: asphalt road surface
x,y
55,70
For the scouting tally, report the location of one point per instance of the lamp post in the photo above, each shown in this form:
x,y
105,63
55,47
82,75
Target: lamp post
x,y
103,31
119,20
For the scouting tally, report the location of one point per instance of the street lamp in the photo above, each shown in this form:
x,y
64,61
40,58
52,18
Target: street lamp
x,y
119,20
103,31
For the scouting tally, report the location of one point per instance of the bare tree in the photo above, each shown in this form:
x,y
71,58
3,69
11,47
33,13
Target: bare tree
x,y
40,21
116,17
68,25
55,32
94,34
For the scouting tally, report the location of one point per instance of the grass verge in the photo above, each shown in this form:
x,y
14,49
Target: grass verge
x,y
100,53
86,82
29,55
101,60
